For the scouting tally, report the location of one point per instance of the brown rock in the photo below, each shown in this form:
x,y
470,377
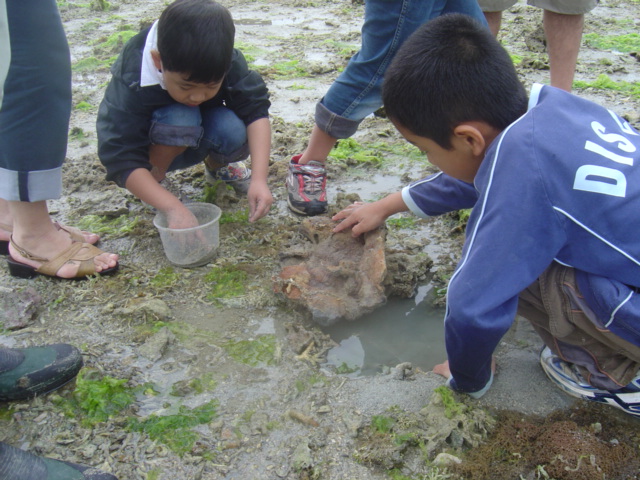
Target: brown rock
x,y
341,277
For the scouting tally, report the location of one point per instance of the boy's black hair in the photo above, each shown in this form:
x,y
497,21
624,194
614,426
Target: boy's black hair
x,y
195,37
452,70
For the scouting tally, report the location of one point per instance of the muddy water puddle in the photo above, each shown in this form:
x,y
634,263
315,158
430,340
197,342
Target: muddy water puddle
x,y
403,330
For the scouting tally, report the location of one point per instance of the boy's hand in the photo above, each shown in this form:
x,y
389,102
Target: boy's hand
x,y
180,218
360,217
260,200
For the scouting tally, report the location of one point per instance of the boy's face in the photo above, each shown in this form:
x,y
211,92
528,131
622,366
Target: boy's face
x,y
188,93
181,89
461,161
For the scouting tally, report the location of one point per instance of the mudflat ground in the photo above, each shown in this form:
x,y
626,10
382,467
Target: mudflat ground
x,y
207,374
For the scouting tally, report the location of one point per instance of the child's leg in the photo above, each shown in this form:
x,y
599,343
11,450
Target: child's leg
x,y
224,140
174,129
223,148
554,306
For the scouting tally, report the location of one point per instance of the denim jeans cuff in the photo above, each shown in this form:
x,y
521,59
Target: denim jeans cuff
x,y
215,159
175,135
333,124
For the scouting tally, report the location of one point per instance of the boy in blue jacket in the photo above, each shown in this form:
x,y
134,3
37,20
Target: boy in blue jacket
x,y
181,94
554,187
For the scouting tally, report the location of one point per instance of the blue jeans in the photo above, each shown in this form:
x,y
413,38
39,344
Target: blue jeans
x,y
357,92
35,110
215,132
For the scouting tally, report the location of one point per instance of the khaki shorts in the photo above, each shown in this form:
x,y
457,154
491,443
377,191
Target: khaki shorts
x,y
567,7
556,309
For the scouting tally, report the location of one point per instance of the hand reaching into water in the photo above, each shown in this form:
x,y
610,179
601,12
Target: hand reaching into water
x,y
180,218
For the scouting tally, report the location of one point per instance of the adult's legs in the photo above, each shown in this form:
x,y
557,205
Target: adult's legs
x,y
564,35
563,21
492,10
36,104
494,19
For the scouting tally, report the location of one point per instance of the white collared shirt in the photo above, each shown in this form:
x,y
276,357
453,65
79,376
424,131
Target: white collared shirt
x,y
149,74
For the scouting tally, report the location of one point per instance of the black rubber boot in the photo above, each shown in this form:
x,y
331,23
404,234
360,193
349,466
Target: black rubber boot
x,y
16,464
28,372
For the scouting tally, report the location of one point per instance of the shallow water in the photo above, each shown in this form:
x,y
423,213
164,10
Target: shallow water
x,y
403,330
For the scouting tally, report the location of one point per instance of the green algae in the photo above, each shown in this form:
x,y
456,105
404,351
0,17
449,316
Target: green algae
x,y
112,226
175,430
352,153
239,216
382,423
84,106
625,43
95,400
451,406
225,282
166,277
402,222
604,82
260,351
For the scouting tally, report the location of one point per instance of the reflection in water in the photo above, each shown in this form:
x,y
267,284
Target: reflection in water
x,y
403,330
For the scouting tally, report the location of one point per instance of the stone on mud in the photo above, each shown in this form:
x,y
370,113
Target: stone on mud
x,y
154,347
18,307
338,277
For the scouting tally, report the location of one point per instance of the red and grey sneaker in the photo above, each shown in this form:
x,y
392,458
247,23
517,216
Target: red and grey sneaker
x,y
306,187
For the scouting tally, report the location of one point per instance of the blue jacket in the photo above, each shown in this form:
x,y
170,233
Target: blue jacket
x,y
124,116
562,183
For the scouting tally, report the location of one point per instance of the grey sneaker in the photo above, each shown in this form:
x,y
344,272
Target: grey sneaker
x,y
236,174
306,187
567,377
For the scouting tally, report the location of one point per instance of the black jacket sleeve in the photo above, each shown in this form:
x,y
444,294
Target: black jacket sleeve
x,y
125,113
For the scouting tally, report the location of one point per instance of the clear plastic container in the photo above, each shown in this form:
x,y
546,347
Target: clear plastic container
x,y
191,247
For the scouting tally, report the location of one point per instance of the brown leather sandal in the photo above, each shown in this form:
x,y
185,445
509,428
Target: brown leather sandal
x,y
77,252
74,233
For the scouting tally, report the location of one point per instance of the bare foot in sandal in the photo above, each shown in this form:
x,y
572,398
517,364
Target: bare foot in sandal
x,y
38,213
77,235
52,254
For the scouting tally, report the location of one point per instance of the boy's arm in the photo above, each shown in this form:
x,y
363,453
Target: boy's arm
x,y
430,196
260,198
438,194
122,128
363,218
144,186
